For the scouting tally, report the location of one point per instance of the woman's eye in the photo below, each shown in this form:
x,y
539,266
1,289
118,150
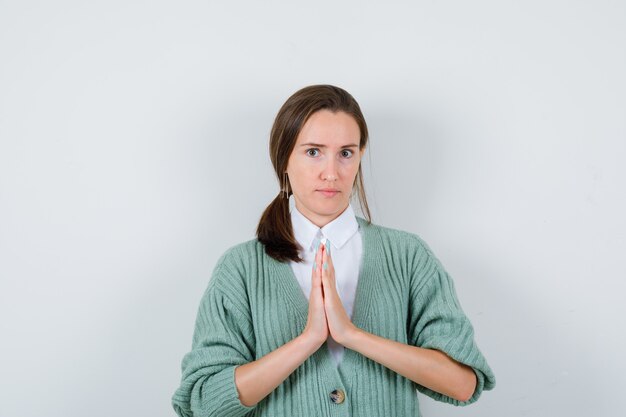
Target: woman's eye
x,y
348,152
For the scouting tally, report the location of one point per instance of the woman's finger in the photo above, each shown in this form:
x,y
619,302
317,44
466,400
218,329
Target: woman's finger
x,y
317,266
328,270
317,286
328,259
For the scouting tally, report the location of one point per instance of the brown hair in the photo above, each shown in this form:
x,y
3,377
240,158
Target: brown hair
x,y
275,230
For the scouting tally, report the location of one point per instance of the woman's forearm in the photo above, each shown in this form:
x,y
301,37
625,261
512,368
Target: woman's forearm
x,y
428,367
255,380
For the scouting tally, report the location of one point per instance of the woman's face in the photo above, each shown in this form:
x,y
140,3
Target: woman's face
x,y
326,156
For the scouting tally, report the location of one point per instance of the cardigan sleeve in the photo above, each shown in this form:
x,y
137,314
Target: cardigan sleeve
x,y
437,321
223,339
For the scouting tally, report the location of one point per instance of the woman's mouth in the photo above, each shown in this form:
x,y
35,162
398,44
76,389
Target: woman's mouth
x,y
329,192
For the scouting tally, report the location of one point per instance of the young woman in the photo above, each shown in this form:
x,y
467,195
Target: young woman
x,y
326,313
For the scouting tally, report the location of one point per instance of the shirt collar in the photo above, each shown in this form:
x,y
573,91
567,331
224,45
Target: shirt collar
x,y
338,231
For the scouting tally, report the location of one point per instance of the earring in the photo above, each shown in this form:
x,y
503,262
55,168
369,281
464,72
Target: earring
x,y
285,189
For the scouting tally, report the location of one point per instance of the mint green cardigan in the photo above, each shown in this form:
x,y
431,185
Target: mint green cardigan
x,y
253,304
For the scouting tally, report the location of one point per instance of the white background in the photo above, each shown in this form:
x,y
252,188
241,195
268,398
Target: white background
x,y
134,151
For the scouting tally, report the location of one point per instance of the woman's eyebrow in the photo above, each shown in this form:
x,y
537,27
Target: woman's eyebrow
x,y
319,145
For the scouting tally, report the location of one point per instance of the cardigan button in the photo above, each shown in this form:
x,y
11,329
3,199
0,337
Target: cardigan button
x,y
337,396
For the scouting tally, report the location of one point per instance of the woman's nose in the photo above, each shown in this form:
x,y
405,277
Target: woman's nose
x,y
330,171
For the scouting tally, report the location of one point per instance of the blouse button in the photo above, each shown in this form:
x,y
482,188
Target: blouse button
x,y
337,396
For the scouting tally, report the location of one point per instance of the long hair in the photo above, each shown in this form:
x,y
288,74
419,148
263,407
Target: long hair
x,y
275,230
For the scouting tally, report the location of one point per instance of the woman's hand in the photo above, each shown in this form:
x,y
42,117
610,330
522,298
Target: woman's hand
x,y
428,367
316,326
339,324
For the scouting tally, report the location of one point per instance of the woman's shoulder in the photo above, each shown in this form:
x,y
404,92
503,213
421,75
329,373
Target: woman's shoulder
x,y
233,263
242,249
397,239
407,250
237,256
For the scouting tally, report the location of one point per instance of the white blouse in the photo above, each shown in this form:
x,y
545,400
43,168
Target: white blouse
x,y
346,247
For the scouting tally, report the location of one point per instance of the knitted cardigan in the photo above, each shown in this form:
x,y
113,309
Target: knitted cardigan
x,y
253,304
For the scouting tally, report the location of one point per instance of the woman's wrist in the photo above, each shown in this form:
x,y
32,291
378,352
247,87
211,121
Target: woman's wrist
x,y
351,338
309,343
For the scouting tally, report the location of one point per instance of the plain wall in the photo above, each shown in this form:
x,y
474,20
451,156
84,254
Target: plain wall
x,y
134,151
